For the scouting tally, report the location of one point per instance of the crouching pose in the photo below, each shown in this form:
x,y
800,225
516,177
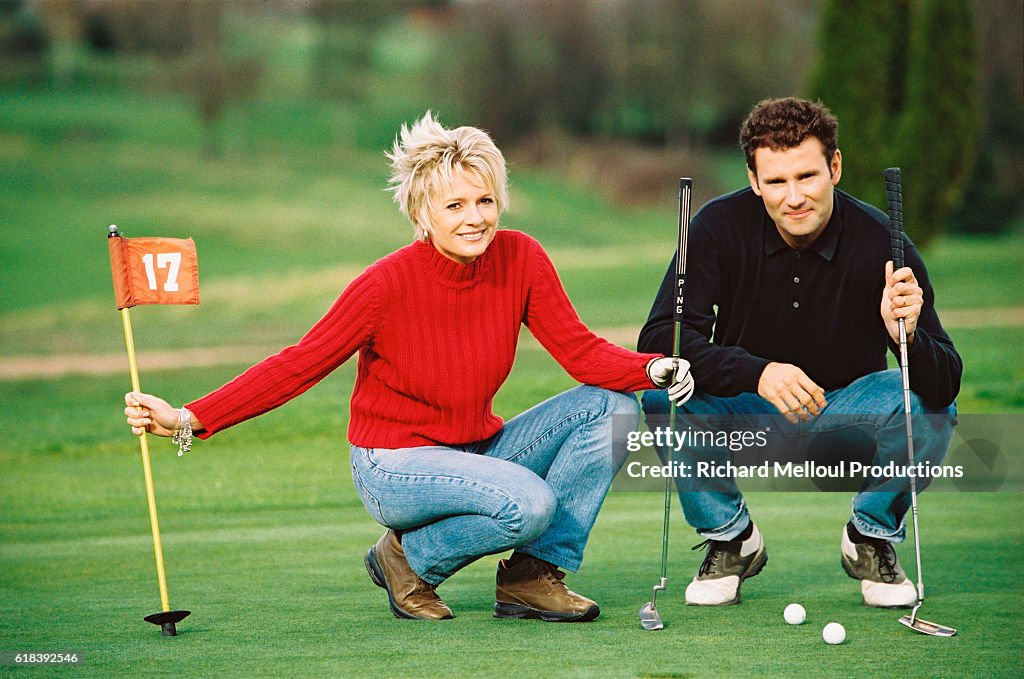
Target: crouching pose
x,y
435,325
790,305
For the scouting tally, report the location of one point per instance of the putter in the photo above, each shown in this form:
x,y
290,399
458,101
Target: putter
x,y
894,200
650,617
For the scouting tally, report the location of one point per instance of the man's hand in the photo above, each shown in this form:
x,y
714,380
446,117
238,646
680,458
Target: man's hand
x,y
789,389
673,373
901,298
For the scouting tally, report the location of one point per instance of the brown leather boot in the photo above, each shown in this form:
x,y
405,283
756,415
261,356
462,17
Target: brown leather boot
x,y
534,589
409,596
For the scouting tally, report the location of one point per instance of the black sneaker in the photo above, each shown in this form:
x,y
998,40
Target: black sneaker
x,y
883,584
725,567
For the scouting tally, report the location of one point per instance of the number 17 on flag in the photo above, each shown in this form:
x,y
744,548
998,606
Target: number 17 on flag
x,y
152,271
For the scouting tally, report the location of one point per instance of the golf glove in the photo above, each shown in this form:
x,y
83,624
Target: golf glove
x,y
673,374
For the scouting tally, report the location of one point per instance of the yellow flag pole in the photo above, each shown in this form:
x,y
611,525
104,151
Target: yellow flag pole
x,y
154,523
166,618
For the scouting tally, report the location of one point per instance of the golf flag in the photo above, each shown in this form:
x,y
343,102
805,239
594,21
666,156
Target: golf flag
x,y
154,270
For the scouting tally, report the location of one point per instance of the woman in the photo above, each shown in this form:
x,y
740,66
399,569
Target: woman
x,y
436,325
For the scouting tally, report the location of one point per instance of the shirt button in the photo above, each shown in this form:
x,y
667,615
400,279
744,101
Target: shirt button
x,y
796,279
796,305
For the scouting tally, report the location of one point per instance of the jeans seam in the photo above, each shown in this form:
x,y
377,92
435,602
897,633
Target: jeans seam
x,y
867,529
548,432
558,560
362,488
490,489
374,498
715,534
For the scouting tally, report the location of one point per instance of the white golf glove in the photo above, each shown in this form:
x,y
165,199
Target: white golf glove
x,y
674,374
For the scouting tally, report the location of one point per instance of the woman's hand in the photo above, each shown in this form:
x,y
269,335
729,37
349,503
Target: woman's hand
x,y
674,374
148,413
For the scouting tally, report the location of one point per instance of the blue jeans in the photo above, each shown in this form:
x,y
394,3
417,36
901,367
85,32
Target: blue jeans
x,y
873,403
536,486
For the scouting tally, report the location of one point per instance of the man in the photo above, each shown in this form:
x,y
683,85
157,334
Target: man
x,y
791,302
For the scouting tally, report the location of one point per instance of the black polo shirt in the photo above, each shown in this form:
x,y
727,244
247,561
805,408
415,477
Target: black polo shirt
x,y
759,301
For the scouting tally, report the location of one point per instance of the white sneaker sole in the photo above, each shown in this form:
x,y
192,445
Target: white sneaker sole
x,y
723,591
885,595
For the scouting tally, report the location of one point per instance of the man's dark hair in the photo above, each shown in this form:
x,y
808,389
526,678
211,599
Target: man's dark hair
x,y
781,124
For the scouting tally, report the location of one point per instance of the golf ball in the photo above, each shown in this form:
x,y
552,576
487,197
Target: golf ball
x,y
794,614
834,633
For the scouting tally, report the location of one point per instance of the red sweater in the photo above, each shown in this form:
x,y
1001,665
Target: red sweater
x,y
436,339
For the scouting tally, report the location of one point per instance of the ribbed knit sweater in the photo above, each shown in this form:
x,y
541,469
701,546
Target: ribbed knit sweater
x,y
436,340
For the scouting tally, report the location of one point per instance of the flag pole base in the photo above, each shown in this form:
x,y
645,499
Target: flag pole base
x,y
167,620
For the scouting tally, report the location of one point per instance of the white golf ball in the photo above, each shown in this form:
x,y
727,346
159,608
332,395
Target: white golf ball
x,y
834,633
794,614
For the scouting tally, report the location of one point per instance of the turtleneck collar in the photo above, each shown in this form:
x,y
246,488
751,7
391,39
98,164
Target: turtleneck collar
x,y
448,271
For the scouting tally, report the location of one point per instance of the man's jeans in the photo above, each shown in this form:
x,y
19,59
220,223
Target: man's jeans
x,y
873,403
536,486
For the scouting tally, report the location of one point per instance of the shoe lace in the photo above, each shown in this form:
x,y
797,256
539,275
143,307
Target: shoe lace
x,y
886,560
710,559
551,575
424,587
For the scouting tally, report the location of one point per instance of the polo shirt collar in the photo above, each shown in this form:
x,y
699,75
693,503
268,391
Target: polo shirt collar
x,y
826,244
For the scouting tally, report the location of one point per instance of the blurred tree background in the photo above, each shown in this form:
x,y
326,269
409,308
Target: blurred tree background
x,y
619,94
896,76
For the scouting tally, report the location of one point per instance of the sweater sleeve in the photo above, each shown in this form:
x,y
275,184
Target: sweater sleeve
x,y
275,380
588,358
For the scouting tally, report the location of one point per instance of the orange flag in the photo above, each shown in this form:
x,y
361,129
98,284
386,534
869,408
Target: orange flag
x,y
154,270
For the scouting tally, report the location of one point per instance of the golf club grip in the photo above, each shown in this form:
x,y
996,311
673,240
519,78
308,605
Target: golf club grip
x,y
894,202
685,191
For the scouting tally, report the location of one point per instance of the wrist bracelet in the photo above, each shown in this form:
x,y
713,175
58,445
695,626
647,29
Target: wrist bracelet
x,y
183,437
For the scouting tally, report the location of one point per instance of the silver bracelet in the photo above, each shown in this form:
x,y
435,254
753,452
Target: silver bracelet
x,y
183,437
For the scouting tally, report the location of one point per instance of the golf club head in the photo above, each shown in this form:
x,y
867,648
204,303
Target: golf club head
x,y
167,620
924,627
650,618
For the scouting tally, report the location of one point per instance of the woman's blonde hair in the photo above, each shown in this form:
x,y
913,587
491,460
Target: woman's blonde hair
x,y
424,159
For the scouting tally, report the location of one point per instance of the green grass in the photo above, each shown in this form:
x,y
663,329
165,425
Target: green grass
x,y
280,231
993,379
263,537
263,532
976,272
